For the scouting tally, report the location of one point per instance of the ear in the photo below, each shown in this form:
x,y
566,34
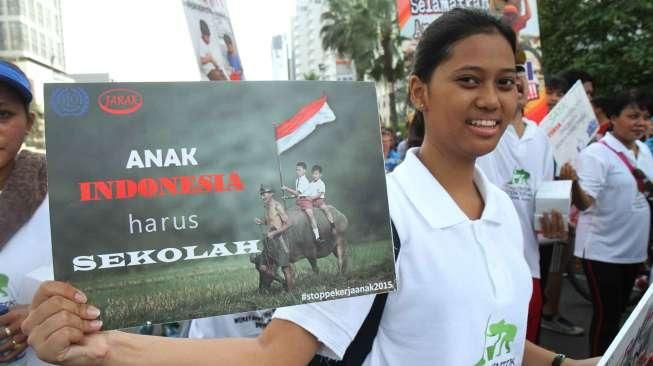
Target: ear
x,y
31,118
418,92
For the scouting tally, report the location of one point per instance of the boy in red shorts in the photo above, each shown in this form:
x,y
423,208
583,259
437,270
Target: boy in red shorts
x,y
318,193
302,193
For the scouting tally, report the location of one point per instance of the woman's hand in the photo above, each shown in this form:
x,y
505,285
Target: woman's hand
x,y
585,362
12,339
553,225
62,328
567,172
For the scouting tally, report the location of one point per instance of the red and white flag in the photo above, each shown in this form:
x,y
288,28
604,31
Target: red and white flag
x,y
303,123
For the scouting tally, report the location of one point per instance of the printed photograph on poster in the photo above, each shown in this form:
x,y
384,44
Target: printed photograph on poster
x,y
521,15
213,40
633,345
174,201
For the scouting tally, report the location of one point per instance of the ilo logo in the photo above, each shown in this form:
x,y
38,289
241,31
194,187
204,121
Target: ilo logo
x,y
69,101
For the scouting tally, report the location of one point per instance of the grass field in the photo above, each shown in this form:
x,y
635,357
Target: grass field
x,y
223,286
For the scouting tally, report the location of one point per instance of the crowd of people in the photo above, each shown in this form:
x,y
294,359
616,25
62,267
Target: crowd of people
x,y
460,187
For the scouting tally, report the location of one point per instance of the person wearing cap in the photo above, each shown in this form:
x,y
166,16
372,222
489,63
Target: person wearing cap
x,y
276,222
24,217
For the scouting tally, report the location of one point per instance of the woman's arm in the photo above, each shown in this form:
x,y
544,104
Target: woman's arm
x,y
579,198
62,330
538,356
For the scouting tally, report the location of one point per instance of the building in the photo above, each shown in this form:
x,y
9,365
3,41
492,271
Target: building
x,y
280,59
308,57
31,36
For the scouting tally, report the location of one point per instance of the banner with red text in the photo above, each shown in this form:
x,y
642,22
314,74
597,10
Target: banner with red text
x,y
521,15
171,201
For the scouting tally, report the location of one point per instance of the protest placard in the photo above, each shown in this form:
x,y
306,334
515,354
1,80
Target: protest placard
x,y
213,40
633,345
166,199
570,125
413,16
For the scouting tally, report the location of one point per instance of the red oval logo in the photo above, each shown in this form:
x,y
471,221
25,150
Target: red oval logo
x,y
120,101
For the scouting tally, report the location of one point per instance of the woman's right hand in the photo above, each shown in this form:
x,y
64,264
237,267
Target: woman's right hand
x,y
62,328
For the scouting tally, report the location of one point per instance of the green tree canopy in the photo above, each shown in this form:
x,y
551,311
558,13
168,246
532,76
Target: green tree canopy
x,y
610,39
366,31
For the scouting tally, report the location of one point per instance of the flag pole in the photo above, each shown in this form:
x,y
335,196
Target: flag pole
x,y
276,147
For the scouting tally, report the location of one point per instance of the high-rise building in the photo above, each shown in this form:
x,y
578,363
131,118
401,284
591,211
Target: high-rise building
x,y
280,60
31,36
308,57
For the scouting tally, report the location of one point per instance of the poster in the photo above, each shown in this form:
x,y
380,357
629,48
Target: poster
x,y
213,40
633,345
166,199
570,125
415,15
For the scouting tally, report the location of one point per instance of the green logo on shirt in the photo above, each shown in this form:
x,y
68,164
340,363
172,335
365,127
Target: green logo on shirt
x,y
4,285
520,176
498,336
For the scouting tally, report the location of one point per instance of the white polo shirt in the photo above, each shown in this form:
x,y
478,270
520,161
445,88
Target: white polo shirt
x,y
464,286
615,228
317,187
519,166
302,185
248,325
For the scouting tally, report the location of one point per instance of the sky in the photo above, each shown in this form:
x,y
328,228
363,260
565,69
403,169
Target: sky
x,y
148,40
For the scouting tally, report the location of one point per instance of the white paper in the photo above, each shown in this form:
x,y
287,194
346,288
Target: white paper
x,y
31,283
570,125
552,195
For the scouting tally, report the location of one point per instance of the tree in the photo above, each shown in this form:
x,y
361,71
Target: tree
x,y
366,31
312,75
610,39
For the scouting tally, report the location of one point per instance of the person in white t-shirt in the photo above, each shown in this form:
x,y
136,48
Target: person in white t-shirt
x,y
522,160
303,191
318,195
613,227
450,219
211,69
24,216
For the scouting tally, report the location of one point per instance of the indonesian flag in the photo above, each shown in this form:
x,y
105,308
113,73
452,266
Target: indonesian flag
x,y
303,123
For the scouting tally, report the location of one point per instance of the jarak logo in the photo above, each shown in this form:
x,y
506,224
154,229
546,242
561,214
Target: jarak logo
x,y
120,101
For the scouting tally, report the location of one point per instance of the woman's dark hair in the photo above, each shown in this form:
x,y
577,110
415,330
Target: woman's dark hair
x,y
620,102
437,42
573,75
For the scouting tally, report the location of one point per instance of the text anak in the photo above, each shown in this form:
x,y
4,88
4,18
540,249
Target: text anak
x,y
166,255
150,187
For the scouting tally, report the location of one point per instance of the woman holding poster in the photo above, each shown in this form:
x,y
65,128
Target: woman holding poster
x,y
450,220
24,217
613,227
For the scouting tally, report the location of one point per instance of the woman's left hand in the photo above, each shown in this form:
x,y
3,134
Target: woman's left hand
x,y
12,338
586,362
553,225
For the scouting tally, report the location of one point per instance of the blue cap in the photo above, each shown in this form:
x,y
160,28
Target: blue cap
x,y
11,75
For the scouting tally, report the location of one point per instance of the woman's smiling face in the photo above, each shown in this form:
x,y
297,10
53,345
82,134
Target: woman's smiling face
x,y
471,96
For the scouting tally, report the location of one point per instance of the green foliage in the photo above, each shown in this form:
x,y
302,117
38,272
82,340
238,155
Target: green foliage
x,y
223,286
366,31
610,39
311,76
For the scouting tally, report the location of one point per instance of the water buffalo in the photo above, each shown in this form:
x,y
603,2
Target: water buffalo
x,y
302,244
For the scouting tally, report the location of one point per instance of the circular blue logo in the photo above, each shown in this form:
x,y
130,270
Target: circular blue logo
x,y
69,102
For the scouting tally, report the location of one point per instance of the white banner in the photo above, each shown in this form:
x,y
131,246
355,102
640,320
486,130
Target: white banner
x,y
634,343
213,39
570,125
